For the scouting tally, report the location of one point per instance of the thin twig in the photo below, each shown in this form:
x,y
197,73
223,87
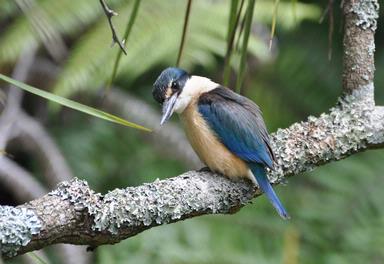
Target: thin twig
x,y
126,35
110,13
186,20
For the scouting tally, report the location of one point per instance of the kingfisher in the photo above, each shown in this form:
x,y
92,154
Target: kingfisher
x,y
226,130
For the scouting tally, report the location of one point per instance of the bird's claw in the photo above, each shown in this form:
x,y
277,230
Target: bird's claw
x,y
204,169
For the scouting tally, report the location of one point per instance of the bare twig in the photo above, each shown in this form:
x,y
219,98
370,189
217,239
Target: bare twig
x,y
183,35
131,21
110,13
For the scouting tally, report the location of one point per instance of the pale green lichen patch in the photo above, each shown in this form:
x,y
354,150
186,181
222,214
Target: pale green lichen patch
x,y
367,12
79,194
164,201
17,225
332,136
156,203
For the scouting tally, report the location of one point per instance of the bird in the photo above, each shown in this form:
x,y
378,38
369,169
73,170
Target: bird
x,y
225,129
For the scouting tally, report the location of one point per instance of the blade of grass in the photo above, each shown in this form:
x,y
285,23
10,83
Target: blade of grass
x,y
274,17
186,20
231,30
247,32
36,258
72,104
241,30
127,32
234,18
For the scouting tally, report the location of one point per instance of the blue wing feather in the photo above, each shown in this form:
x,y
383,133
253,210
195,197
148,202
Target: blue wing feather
x,y
238,123
261,178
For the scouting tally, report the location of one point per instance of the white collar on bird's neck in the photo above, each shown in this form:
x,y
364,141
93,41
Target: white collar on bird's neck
x,y
194,87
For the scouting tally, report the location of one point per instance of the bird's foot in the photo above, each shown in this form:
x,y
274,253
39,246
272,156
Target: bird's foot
x,y
204,169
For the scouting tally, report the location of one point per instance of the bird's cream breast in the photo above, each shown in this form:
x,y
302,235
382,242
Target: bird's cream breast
x,y
209,149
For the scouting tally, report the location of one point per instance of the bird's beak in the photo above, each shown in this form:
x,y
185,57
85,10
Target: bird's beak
x,y
168,106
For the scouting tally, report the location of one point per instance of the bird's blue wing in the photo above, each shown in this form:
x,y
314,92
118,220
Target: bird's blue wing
x,y
238,123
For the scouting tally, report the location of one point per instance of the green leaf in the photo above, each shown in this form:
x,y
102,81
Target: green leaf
x,y
72,104
36,258
247,32
234,18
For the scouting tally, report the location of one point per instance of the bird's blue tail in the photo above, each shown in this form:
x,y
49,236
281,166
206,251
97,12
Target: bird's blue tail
x,y
261,178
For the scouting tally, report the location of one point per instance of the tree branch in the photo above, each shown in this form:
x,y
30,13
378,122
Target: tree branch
x,y
14,123
359,43
110,13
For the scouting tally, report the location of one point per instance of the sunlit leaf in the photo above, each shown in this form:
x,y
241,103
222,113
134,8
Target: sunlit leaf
x,y
72,104
36,258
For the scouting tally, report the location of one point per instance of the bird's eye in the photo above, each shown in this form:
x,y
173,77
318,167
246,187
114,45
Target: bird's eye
x,y
174,85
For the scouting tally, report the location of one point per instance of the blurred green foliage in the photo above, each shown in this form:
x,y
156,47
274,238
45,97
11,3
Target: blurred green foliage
x,y
337,210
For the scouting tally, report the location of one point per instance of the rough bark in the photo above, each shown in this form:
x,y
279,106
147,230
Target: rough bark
x,y
359,43
75,214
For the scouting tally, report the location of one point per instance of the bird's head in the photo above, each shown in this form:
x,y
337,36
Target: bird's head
x,y
167,88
